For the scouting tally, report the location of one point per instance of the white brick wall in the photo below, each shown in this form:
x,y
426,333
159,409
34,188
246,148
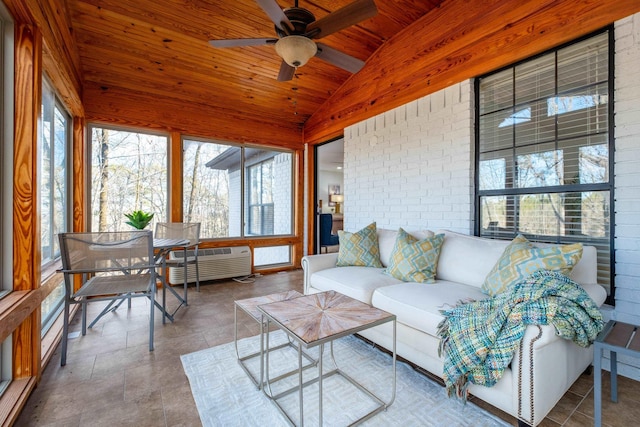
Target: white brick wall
x,y
412,167
627,169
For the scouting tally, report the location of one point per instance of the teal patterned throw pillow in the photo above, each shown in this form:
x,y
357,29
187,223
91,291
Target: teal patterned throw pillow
x,y
414,260
520,259
359,249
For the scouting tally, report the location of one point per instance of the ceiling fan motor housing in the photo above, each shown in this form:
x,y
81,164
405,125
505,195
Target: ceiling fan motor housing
x,y
299,18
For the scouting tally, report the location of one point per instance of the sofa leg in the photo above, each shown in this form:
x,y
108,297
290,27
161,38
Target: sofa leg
x,y
522,424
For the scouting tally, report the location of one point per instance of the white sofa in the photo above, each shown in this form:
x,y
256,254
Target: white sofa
x,y
541,371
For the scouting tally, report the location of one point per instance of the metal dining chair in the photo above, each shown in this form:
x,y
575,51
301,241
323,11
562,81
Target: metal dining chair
x,y
112,266
182,230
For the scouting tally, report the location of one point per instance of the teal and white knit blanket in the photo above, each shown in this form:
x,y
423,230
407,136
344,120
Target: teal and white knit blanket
x,y
478,339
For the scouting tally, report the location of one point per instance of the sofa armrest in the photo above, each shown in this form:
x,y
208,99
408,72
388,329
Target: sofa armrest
x,y
544,368
314,263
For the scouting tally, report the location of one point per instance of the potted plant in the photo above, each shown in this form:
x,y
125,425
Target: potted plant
x,y
139,219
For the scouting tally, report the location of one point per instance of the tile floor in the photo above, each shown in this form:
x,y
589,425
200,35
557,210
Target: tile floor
x,y
111,379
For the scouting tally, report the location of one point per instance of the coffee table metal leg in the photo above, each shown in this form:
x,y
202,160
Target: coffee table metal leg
x,y
261,353
266,363
393,393
300,387
320,381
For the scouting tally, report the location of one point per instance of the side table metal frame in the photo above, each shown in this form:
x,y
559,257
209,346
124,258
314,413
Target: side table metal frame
x,y
259,382
617,337
381,404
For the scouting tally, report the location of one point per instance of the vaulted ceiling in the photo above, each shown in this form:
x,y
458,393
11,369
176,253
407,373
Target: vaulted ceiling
x,y
159,49
148,62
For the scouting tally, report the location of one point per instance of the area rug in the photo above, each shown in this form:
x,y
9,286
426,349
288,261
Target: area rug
x,y
225,396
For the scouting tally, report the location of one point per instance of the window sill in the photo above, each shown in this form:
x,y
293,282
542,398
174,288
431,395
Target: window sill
x,y
14,399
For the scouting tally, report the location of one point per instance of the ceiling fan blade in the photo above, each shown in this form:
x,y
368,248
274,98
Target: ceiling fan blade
x,y
349,15
276,14
286,72
339,59
242,42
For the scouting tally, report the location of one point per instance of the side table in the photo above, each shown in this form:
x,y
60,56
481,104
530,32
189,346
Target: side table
x,y
617,337
250,307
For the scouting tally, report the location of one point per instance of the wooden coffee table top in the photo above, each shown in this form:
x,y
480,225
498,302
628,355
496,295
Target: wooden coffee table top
x,y
250,305
324,316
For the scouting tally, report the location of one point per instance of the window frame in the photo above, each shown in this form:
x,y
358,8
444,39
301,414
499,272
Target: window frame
x,y
89,168
6,176
59,106
570,188
252,171
244,196
48,265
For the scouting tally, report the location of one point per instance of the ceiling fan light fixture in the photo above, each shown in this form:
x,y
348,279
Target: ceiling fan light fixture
x,y
296,50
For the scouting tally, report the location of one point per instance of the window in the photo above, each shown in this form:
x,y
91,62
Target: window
x,y
206,189
544,140
6,177
219,195
53,172
53,142
260,212
128,173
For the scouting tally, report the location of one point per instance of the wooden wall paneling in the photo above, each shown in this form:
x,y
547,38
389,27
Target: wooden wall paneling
x,y
457,41
175,178
14,398
26,237
60,59
124,108
19,11
311,202
79,175
299,207
12,312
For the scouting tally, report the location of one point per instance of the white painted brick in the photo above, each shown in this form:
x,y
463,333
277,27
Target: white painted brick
x,y
628,180
627,108
415,166
627,244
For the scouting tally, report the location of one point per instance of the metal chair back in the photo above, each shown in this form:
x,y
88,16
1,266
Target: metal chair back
x,y
112,266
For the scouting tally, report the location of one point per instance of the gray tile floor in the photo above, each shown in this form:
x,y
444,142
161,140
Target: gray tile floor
x,y
111,379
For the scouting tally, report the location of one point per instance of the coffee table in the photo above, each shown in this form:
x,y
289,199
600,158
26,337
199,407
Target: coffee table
x,y
315,320
250,307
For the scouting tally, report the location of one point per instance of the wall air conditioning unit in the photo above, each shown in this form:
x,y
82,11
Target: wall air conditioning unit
x,y
214,263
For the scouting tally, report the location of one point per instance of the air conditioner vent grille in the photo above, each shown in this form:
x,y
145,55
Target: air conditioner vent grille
x,y
214,263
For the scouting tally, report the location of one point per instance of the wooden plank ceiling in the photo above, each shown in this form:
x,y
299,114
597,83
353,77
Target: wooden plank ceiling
x,y
143,59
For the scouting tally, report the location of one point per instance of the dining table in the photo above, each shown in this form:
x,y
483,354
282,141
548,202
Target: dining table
x,y
161,248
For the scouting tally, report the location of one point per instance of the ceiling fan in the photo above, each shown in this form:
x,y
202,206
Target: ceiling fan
x,y
297,27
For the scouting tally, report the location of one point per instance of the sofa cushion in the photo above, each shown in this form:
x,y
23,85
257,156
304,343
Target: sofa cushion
x,y
418,305
360,248
387,241
414,260
355,282
520,259
467,259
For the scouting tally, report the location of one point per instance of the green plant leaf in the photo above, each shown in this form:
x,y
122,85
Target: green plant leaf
x,y
139,219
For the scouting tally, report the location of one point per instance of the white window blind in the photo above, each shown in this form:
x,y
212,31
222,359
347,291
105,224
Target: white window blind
x,y
543,149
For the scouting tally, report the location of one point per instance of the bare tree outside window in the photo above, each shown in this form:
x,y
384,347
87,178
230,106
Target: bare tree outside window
x,y
128,172
207,190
